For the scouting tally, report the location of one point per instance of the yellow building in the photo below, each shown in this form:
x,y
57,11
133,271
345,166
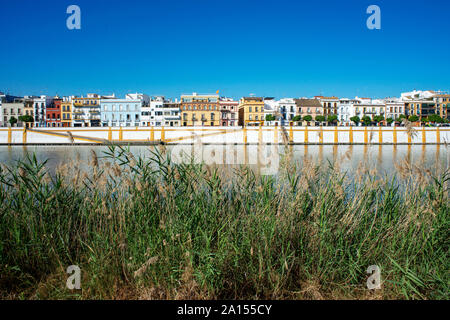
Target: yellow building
x,y
86,111
251,110
29,109
443,105
66,113
200,110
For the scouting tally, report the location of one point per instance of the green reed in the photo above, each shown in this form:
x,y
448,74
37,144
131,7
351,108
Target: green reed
x,y
154,229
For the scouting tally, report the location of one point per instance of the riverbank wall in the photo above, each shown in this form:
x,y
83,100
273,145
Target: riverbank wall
x,y
225,135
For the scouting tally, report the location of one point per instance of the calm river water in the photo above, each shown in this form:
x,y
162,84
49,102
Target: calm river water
x,y
382,157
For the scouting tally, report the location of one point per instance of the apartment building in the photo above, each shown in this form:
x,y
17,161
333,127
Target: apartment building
x,y
420,103
330,105
347,109
370,108
394,108
200,110
229,114
12,109
309,107
287,109
29,108
251,110
66,112
40,106
53,113
442,102
121,112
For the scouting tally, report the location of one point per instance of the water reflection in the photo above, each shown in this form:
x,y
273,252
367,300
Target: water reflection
x,y
383,157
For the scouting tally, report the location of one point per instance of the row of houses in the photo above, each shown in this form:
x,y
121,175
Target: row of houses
x,y
194,109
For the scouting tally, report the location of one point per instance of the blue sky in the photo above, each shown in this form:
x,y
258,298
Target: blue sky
x,y
268,48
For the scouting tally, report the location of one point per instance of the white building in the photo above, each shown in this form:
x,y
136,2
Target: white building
x,y
161,112
286,109
394,108
270,108
347,109
370,108
40,106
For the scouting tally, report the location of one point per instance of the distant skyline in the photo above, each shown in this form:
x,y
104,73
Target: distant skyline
x,y
268,48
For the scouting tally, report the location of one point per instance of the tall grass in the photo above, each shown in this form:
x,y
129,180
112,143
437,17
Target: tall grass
x,y
153,229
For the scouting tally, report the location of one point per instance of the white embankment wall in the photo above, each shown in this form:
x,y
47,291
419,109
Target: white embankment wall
x,y
229,135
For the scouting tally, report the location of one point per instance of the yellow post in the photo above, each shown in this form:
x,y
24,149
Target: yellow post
x,y
152,134
24,135
163,134
120,134
336,135
350,135
9,135
380,135
306,135
291,134
438,136
275,135
245,134
424,136
366,137
110,134
409,138
260,135
321,135
395,135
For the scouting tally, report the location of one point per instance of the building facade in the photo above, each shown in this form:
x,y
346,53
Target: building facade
x,y
200,110
309,107
229,115
53,113
287,109
442,102
40,106
10,110
121,112
394,108
330,105
251,110
66,112
347,109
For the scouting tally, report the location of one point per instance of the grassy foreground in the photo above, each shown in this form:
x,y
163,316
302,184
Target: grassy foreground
x,y
152,229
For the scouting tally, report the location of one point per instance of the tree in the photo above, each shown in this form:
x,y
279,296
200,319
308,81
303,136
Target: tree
x,y
378,119
26,118
297,119
332,118
434,118
270,117
320,118
355,119
307,118
12,121
413,118
401,117
366,120
389,120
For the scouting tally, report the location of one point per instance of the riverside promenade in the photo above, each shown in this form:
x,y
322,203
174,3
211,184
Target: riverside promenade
x,y
226,135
